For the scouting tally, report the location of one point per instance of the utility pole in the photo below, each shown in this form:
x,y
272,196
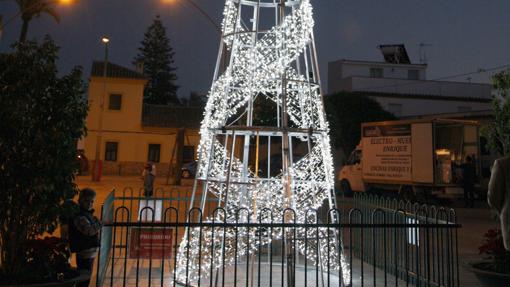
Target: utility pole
x,y
98,164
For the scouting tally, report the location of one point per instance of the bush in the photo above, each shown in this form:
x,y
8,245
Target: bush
x,y
495,250
47,261
497,131
42,116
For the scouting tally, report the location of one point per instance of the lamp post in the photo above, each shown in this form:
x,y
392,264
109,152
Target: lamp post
x,y
98,165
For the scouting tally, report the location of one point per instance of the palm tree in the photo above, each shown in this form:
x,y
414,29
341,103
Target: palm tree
x,y
34,8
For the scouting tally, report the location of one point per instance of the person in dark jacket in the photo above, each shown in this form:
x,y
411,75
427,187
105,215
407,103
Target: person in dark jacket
x,y
84,233
468,181
498,195
148,176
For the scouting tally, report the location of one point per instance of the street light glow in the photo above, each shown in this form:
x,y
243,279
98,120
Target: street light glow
x,y
198,8
105,40
27,8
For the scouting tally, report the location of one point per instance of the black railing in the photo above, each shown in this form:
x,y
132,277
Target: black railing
x,y
379,246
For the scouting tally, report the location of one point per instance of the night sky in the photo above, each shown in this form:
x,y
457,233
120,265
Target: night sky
x,y
465,35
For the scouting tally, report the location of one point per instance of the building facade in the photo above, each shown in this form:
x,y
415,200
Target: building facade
x,y
133,133
402,88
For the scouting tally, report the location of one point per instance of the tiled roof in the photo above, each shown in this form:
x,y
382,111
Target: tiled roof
x,y
113,71
171,116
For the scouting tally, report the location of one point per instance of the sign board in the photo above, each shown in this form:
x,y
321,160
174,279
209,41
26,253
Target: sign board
x,y
387,153
413,233
152,205
150,243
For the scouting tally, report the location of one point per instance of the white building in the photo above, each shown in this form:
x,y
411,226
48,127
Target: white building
x,y
402,88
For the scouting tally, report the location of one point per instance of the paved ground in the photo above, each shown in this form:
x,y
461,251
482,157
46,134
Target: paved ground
x,y
119,183
475,221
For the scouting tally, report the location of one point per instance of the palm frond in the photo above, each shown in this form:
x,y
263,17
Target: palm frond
x,y
34,8
52,12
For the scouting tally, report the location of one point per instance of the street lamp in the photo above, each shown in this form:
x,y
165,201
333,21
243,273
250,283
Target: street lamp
x,y
98,165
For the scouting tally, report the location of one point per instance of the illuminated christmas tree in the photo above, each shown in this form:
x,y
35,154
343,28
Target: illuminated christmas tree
x,y
256,161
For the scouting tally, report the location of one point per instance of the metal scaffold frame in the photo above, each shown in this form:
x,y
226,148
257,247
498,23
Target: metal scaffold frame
x,y
267,55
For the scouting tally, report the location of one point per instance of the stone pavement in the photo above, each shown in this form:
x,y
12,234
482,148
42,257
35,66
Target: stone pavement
x,y
129,272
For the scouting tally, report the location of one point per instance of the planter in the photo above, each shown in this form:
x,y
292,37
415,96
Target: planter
x,y
66,283
489,278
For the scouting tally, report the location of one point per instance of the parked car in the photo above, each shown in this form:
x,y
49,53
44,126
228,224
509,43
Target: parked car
x,y
189,170
83,162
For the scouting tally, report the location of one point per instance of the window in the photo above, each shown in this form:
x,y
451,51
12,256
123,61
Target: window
x,y
154,152
413,75
395,109
110,153
355,157
115,102
188,153
463,109
376,73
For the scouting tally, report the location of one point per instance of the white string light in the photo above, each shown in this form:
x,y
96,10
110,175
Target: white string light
x,y
257,66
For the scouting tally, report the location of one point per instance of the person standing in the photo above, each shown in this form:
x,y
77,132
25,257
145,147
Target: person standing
x,y
468,181
498,195
84,233
148,175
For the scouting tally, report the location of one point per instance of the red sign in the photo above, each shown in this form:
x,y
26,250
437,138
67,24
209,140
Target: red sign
x,y
147,243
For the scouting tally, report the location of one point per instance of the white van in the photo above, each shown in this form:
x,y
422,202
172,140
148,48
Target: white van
x,y
412,156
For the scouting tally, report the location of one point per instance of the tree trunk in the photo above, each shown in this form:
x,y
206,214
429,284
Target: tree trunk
x,y
12,248
24,31
11,253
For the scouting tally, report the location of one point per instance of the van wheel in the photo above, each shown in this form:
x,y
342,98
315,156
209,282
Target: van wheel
x,y
346,188
406,192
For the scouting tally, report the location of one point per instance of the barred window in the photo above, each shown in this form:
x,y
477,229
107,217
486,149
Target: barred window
x,y
154,152
413,75
376,73
188,153
115,102
111,151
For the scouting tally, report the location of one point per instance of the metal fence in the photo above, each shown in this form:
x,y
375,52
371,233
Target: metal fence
x,y
384,243
423,255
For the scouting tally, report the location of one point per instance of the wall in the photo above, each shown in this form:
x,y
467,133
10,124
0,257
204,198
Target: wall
x,y
129,117
440,88
124,126
342,69
133,147
415,107
389,71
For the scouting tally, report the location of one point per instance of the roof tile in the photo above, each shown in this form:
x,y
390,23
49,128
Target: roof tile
x,y
114,71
